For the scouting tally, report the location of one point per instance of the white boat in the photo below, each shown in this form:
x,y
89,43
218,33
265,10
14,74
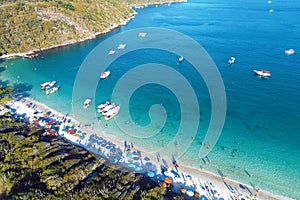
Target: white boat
x,y
47,85
107,108
121,46
111,52
271,10
112,113
180,59
105,74
231,60
52,89
263,73
289,51
142,34
102,106
87,103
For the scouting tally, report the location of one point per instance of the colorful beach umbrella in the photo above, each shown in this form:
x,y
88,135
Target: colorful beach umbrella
x,y
168,180
163,185
183,190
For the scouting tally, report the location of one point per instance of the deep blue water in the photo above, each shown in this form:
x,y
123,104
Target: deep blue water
x,y
261,131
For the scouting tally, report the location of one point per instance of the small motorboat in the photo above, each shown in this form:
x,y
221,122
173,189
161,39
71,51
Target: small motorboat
x,y
180,59
111,52
121,46
142,34
31,56
52,89
47,85
107,108
112,113
289,51
102,106
105,74
262,73
87,103
231,60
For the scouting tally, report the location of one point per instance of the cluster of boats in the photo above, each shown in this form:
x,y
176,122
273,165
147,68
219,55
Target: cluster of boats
x,y
120,47
265,73
108,110
49,87
261,73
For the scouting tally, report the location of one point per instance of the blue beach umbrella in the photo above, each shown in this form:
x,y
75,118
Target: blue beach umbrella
x,y
129,155
146,159
138,168
150,174
131,165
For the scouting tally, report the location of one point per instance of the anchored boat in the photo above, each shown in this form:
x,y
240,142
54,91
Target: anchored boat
x,y
87,103
263,73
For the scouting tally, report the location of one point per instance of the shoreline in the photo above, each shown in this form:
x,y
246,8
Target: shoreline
x,y
94,36
193,177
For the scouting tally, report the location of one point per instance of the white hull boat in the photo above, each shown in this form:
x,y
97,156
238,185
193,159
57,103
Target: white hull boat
x,y
107,108
180,59
111,52
231,60
52,90
112,113
143,34
263,73
289,51
47,85
87,103
102,106
105,74
121,46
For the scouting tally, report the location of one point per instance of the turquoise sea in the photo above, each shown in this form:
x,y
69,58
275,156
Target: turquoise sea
x,y
261,131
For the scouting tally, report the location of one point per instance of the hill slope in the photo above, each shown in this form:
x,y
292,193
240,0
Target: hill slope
x,y
38,24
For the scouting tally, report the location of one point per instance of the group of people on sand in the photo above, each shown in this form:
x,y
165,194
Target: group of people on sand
x,y
130,149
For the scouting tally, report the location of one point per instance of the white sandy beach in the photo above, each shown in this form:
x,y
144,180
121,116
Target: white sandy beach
x,y
207,184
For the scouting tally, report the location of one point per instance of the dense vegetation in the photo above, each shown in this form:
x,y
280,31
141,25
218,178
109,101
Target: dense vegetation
x,y
37,24
5,94
33,166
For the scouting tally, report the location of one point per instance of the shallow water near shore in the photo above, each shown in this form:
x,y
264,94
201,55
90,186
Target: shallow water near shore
x,y
261,132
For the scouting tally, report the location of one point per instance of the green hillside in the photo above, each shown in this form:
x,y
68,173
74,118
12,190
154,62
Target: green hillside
x,y
37,24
